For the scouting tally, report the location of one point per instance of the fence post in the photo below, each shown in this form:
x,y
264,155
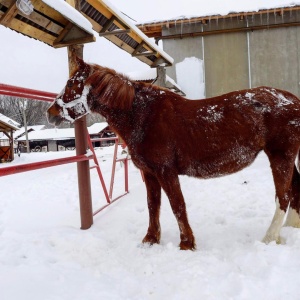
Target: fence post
x,y
83,168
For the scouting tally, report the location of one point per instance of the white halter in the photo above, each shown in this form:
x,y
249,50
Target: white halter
x,y
80,100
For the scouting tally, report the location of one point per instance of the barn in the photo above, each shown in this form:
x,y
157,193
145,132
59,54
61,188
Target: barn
x,y
7,128
61,139
239,50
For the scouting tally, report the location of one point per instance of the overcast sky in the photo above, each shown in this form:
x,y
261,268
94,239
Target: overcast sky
x,y
29,63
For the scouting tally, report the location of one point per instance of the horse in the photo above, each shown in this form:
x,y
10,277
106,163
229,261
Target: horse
x,y
168,135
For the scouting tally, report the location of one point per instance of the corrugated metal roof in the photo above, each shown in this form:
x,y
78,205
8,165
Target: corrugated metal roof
x,y
110,23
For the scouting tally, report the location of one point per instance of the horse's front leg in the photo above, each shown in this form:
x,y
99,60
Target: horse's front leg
x,y
154,201
171,185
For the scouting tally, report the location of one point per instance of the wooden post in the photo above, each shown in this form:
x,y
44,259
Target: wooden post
x,y
161,76
83,168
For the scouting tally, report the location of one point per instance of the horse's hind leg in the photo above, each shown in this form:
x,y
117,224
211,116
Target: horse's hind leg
x,y
293,218
154,201
282,166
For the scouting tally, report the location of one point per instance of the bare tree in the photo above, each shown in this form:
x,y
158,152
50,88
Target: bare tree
x,y
14,108
35,111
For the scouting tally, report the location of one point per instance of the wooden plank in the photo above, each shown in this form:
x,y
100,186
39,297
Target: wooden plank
x,y
9,15
48,11
63,33
7,3
59,41
44,22
31,31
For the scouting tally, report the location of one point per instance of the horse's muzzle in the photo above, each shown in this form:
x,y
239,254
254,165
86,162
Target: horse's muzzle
x,y
54,115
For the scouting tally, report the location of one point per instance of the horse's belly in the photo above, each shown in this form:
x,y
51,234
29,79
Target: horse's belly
x,y
220,164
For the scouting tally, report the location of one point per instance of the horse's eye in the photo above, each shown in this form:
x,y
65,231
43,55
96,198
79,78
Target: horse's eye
x,y
69,84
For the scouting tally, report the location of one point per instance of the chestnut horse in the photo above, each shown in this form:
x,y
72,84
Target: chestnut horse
x,y
168,135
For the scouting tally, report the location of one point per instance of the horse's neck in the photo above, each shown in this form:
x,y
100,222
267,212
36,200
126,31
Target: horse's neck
x,y
120,121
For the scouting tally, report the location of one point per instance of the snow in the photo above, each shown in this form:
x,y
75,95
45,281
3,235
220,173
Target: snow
x,y
137,31
191,67
8,121
151,74
61,133
44,254
71,14
147,14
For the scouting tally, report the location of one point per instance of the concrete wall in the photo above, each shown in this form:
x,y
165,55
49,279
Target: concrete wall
x,y
239,60
226,63
274,56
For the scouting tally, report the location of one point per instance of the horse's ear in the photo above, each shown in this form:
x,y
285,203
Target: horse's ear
x,y
80,63
75,61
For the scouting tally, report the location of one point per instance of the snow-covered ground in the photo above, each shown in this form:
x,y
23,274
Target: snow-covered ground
x,y
44,254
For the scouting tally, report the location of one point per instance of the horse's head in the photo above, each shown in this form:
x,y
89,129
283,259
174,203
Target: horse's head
x,y
91,86
71,103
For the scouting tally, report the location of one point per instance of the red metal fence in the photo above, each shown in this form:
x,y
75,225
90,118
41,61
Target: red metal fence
x,y
49,97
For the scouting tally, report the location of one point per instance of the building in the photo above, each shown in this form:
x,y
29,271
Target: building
x,y
7,128
61,139
220,53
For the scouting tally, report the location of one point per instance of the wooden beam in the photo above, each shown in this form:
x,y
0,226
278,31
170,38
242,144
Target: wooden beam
x,y
148,53
31,31
114,32
231,30
63,33
108,23
138,48
9,15
82,40
137,53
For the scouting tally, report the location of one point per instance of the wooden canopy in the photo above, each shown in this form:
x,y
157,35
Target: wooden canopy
x,y
114,26
58,25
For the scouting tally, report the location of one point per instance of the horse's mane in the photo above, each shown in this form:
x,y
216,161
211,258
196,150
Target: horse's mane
x,y
111,88
116,90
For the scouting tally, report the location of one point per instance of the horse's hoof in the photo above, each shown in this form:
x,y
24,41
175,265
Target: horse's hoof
x,y
150,239
187,245
268,239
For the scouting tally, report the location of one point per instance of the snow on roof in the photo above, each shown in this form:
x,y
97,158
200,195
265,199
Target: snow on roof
x,y
137,31
60,133
22,129
50,134
223,9
71,14
151,75
97,127
8,121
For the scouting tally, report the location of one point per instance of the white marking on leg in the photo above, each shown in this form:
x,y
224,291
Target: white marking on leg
x,y
293,218
276,224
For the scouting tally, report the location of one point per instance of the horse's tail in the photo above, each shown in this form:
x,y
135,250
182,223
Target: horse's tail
x,y
297,161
